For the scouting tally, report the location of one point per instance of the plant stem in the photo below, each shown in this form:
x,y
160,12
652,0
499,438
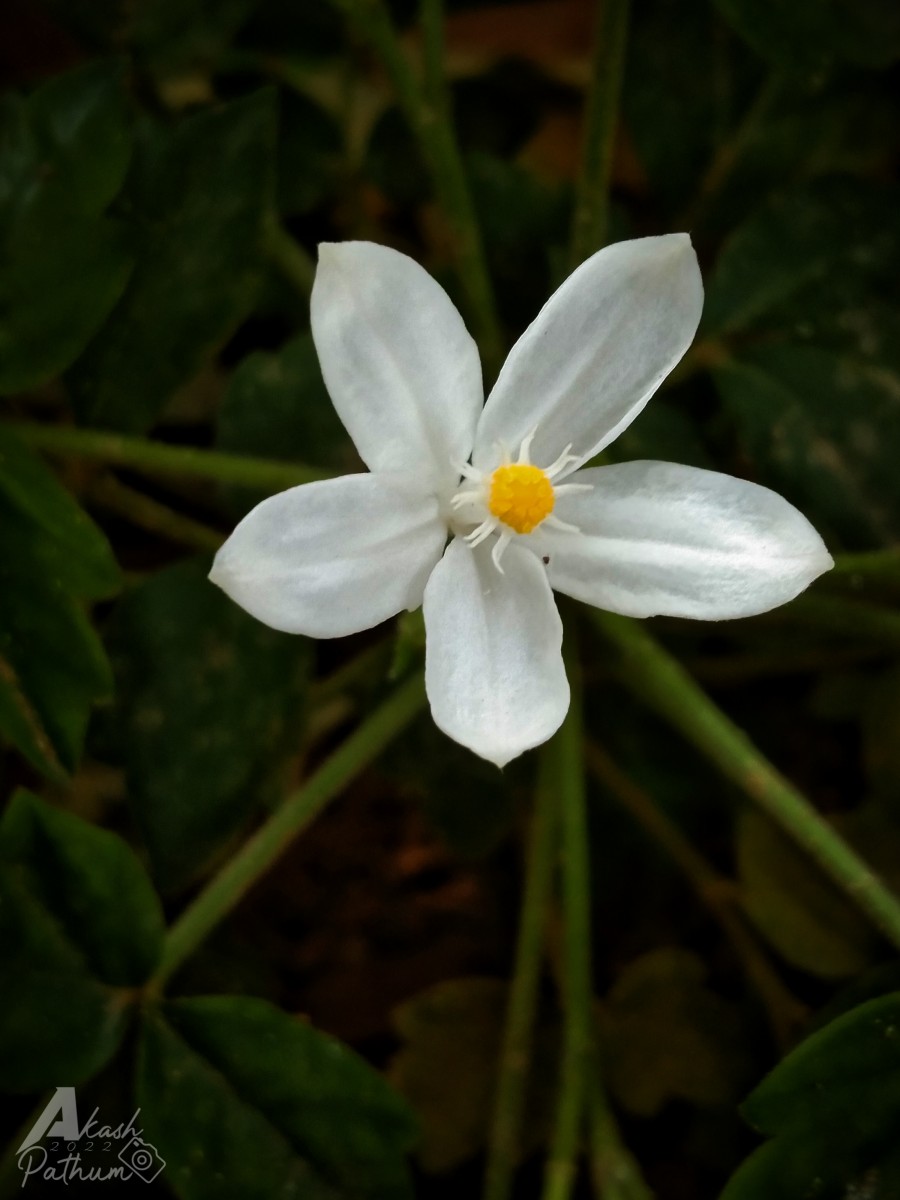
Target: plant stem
x,y
878,565
230,884
578,1032
855,620
161,458
150,514
664,684
289,257
715,892
427,109
515,1055
591,217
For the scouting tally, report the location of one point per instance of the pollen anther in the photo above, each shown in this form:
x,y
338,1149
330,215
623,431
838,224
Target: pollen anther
x,y
521,496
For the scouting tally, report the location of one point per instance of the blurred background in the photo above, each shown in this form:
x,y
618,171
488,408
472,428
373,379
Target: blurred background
x,y
167,168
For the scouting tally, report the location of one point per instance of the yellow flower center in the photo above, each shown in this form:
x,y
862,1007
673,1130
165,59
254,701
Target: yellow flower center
x,y
521,496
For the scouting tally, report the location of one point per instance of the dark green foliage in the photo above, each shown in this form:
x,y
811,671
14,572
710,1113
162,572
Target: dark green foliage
x,y
276,406
52,559
196,199
210,704
832,1109
812,32
155,163
276,1108
63,261
79,918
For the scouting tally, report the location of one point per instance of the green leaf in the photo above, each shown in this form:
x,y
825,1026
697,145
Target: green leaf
x,y
820,425
309,146
803,292
809,33
52,665
210,706
78,919
58,1022
447,1069
243,1100
63,263
795,906
62,537
451,783
665,1035
172,36
833,1108
92,883
821,249
197,197
276,406
676,142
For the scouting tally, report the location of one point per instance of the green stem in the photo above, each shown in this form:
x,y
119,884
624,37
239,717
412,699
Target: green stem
x,y
427,109
855,620
651,672
718,894
160,458
591,218
273,837
504,1144
289,257
578,1032
149,514
877,565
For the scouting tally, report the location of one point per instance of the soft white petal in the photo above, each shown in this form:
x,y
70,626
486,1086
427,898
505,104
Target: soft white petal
x,y
402,371
330,558
597,351
493,663
658,538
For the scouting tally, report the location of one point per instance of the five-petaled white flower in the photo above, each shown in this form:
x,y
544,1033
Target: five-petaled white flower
x,y
501,478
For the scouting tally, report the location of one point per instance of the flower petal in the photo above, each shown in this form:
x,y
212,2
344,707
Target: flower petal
x,y
493,664
597,351
330,558
402,371
658,538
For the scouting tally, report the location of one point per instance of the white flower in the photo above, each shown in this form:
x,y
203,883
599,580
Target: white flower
x,y
501,479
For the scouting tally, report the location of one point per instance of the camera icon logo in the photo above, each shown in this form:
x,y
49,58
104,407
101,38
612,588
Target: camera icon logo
x,y
142,1158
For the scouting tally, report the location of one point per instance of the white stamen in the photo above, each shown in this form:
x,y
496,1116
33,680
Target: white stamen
x,y
526,447
564,460
462,498
499,546
563,526
481,533
565,488
469,472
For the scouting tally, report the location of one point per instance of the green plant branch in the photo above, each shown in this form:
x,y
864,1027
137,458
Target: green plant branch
x,y
291,259
155,458
153,516
713,890
591,217
237,876
515,1055
426,108
577,989
663,683
725,670
857,620
879,566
